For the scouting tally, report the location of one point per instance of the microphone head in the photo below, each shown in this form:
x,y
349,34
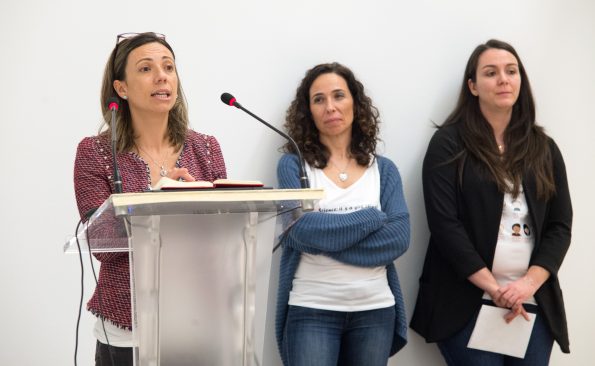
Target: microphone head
x,y
113,103
228,99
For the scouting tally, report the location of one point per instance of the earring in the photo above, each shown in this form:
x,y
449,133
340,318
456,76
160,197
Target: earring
x,y
124,97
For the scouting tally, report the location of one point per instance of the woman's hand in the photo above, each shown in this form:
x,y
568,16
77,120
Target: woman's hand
x,y
517,292
177,173
501,301
496,293
497,298
486,281
514,294
514,312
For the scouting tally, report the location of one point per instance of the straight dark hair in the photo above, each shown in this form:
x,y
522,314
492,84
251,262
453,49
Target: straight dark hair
x,y
527,146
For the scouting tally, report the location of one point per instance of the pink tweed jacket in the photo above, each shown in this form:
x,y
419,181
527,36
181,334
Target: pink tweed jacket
x,y
93,184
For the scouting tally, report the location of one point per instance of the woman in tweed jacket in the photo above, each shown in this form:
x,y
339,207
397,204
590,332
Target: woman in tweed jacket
x,y
153,140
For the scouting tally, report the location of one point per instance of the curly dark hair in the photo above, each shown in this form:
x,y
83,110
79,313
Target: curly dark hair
x,y
300,124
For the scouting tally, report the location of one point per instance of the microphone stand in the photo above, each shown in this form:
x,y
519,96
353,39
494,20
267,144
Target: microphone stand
x,y
304,182
113,106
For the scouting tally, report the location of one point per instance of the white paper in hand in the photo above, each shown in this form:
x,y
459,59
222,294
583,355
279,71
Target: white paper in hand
x,y
493,334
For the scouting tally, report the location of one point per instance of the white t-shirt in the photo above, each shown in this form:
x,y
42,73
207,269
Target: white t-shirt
x,y
515,242
117,336
321,282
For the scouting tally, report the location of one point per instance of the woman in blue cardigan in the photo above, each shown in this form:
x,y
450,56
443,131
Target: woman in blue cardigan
x,y
488,171
339,300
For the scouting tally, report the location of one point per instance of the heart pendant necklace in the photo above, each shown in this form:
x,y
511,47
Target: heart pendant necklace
x,y
343,176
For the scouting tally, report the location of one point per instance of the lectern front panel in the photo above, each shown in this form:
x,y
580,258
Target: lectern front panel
x,y
195,285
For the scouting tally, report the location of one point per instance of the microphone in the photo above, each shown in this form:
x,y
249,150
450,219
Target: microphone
x,y
231,101
113,104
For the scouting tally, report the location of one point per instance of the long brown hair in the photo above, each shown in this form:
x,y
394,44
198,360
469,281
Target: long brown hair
x,y
527,147
115,69
300,124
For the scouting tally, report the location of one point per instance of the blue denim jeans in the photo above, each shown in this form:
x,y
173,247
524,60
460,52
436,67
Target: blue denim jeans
x,y
316,337
455,351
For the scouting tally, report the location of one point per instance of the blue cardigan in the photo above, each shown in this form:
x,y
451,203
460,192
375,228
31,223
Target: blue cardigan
x,y
366,238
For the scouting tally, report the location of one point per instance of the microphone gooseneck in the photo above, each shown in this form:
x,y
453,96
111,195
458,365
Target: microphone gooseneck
x,y
113,105
231,101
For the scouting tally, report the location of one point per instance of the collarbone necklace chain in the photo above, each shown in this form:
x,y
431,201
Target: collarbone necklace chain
x,y
343,176
162,167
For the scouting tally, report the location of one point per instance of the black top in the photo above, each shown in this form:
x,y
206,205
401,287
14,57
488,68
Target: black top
x,y
464,220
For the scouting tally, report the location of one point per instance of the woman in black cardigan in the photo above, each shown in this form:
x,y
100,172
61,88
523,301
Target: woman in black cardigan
x,y
490,165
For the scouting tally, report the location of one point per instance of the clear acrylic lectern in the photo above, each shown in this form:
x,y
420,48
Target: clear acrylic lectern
x,y
199,265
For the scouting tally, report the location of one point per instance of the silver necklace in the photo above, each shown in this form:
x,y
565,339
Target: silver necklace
x,y
343,176
162,170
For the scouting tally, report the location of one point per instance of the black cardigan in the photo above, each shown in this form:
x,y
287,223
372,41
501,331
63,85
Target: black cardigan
x,y
464,223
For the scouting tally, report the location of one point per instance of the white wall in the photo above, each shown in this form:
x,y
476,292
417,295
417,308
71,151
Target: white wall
x,y
410,55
